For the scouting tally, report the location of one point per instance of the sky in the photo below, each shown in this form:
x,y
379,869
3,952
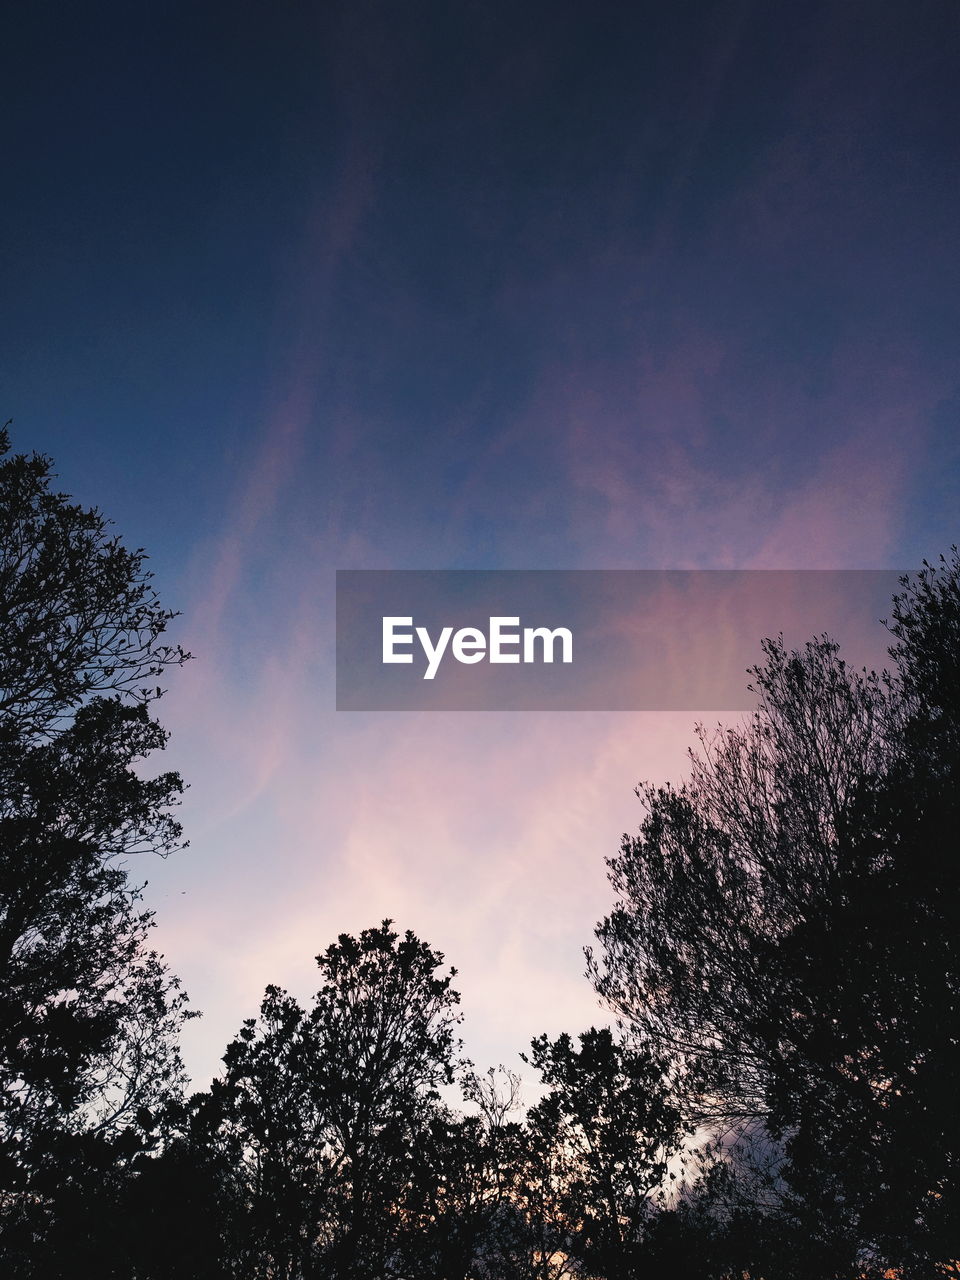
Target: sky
x,y
300,287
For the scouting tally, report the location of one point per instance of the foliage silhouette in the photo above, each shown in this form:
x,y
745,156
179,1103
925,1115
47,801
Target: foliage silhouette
x,y
606,1117
786,928
88,1014
323,1109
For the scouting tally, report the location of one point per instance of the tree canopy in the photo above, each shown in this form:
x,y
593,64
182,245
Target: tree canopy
x,y
786,928
88,1013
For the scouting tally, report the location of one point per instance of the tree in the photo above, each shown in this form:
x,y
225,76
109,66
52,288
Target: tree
x,y
328,1111
786,927
88,1013
384,1025
451,1199
607,1121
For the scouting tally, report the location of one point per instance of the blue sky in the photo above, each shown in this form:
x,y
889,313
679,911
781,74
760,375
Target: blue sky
x,y
296,287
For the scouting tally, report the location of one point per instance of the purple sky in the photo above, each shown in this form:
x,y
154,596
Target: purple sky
x,y
300,287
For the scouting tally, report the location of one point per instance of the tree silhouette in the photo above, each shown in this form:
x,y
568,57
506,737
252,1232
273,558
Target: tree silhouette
x,y
607,1120
786,928
88,1014
328,1110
